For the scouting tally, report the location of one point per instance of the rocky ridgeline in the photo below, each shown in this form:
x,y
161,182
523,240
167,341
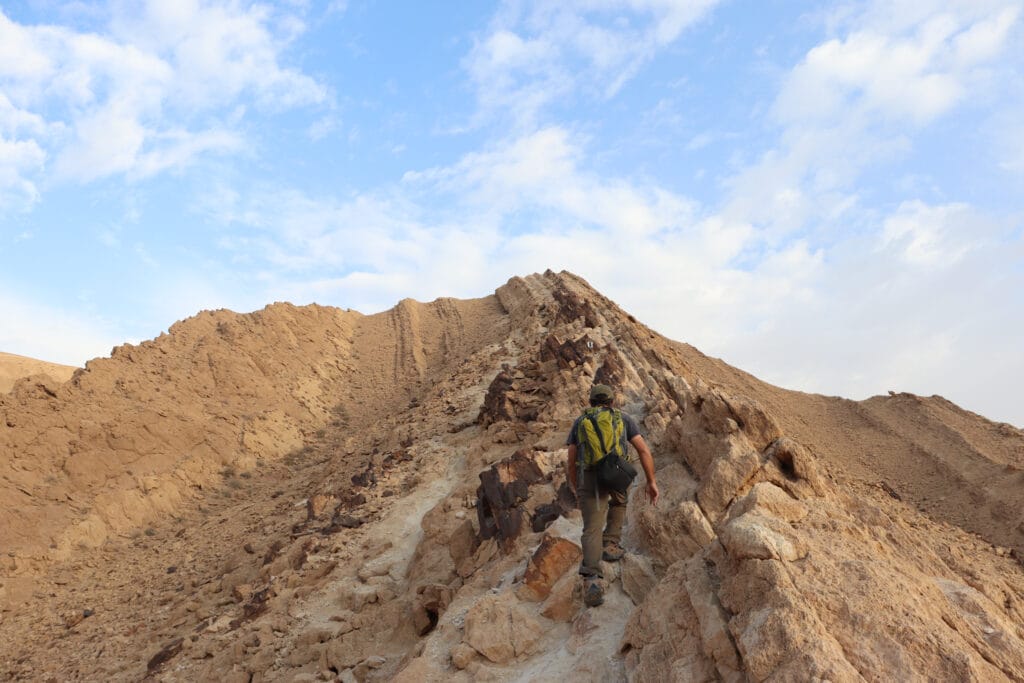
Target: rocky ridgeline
x,y
444,545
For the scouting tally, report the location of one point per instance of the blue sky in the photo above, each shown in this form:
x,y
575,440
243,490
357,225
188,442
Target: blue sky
x,y
828,196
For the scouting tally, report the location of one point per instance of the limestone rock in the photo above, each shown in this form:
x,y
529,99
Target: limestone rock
x,y
638,576
695,523
431,602
501,629
795,458
754,536
712,618
462,655
549,562
563,602
767,498
462,542
725,477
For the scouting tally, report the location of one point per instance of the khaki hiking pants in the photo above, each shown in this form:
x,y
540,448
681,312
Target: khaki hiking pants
x,y
603,516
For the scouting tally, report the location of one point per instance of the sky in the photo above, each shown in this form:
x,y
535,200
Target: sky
x,y
827,195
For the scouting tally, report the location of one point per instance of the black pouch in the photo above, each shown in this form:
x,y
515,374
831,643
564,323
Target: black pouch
x,y
614,473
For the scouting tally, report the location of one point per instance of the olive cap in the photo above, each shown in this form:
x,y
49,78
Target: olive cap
x,y
601,392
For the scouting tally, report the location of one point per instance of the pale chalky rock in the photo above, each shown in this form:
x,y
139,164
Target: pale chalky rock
x,y
696,524
501,629
768,499
550,561
725,477
713,621
563,602
754,536
794,457
638,576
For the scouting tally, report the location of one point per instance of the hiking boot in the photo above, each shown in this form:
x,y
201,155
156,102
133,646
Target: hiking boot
x,y
593,595
613,552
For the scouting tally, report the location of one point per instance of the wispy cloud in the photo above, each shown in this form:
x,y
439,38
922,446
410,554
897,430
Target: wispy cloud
x,y
537,53
158,88
858,100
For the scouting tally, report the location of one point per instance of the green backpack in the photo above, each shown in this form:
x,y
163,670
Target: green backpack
x,y
598,434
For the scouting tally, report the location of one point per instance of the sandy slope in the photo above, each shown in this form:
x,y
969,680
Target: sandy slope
x,y
242,495
14,367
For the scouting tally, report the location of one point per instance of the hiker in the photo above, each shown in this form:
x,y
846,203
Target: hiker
x,y
603,428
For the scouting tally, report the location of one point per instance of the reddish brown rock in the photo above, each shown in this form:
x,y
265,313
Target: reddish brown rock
x,y
552,559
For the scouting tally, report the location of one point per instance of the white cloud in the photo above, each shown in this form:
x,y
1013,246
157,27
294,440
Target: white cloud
x,y
160,88
916,75
925,235
858,100
535,53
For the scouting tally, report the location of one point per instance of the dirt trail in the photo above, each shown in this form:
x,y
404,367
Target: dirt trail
x,y
295,494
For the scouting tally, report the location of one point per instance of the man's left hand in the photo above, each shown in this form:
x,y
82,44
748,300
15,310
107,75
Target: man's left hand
x,y
652,492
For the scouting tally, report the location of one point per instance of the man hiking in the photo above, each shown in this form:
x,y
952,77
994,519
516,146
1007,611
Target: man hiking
x,y
603,432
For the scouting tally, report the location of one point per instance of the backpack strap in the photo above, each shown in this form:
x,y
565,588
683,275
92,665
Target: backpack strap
x,y
600,437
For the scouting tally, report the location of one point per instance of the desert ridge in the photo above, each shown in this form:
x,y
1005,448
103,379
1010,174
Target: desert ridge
x,y
306,493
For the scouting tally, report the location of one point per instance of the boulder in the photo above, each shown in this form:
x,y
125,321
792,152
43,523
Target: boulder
x,y
695,523
725,477
503,487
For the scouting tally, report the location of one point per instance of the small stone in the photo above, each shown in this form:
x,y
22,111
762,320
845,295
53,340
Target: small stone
x,y
348,521
462,655
172,569
317,505
562,603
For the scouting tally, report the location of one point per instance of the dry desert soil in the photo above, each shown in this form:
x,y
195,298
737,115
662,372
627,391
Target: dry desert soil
x,y
312,494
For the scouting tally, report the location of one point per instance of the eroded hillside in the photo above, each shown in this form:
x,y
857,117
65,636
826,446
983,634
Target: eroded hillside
x,y
14,367
312,494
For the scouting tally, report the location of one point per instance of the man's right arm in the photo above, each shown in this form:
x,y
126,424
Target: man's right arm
x,y
647,463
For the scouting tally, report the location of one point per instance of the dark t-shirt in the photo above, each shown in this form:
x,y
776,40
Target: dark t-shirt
x,y
630,429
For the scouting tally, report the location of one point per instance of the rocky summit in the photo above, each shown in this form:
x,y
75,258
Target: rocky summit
x,y
313,494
